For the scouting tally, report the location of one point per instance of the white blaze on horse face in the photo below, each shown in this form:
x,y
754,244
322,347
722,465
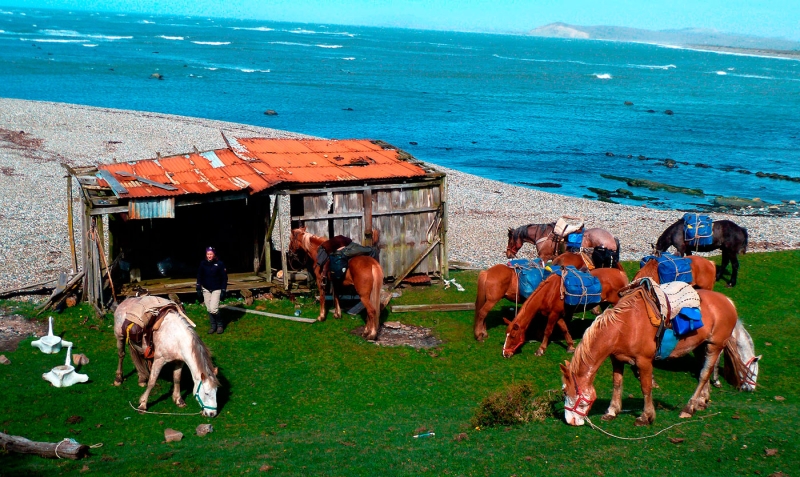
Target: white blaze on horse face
x,y
208,395
573,418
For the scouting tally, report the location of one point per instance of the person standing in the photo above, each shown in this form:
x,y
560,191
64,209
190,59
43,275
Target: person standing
x,y
212,282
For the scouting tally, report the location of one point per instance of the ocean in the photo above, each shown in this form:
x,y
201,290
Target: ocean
x,y
558,115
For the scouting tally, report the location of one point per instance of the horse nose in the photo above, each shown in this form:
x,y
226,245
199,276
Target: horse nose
x,y
208,413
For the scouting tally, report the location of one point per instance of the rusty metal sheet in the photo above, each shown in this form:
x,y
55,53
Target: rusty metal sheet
x,y
151,208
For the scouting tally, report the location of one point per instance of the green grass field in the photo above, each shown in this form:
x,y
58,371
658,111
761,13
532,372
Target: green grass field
x,y
314,399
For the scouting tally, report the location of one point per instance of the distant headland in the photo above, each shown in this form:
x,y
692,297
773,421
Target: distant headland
x,y
692,38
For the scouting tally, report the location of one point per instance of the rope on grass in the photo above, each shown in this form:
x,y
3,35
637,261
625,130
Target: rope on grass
x,y
593,426
165,413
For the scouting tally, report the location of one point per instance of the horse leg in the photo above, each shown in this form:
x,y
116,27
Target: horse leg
x,y
121,354
371,328
615,406
734,270
697,400
479,328
321,288
715,374
337,308
562,324
154,372
646,382
176,384
552,319
721,268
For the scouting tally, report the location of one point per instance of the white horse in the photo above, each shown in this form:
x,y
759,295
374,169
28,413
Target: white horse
x,y
741,372
175,340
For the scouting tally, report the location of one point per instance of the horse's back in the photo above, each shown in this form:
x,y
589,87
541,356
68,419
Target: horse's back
x,y
597,237
719,308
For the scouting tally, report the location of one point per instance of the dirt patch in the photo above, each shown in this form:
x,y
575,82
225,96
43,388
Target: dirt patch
x,y
15,328
20,139
394,333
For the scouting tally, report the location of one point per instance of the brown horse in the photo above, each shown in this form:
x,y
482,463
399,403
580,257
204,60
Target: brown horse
x,y
625,334
547,243
703,272
501,281
548,300
363,273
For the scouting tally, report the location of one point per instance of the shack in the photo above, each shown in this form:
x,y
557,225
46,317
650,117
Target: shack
x,y
161,213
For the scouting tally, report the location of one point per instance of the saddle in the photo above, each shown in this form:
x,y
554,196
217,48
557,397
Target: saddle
x,y
339,259
144,318
663,302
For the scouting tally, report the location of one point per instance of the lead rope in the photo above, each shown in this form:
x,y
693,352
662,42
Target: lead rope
x,y
73,441
165,413
591,424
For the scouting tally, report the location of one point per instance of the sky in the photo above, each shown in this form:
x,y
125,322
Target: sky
x,y
775,18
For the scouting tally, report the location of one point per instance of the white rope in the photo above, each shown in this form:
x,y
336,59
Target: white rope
x,y
593,426
56,449
165,413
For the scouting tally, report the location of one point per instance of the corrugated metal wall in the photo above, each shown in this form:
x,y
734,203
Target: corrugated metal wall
x,y
407,218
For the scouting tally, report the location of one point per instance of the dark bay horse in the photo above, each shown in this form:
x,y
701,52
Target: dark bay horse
x,y
501,281
703,272
625,334
726,236
548,301
364,273
546,242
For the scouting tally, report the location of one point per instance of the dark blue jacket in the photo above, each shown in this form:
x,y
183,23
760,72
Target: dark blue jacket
x,y
212,275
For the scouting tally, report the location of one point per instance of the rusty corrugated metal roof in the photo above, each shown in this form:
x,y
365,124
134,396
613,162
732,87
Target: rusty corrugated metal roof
x,y
258,164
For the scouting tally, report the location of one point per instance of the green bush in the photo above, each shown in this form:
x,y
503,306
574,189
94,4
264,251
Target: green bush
x,y
516,404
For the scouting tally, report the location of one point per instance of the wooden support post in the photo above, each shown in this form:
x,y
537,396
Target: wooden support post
x,y
414,265
88,268
59,450
71,226
368,238
443,252
268,239
284,266
435,307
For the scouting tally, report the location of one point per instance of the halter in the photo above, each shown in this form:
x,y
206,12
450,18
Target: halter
x,y
512,349
750,375
580,398
200,400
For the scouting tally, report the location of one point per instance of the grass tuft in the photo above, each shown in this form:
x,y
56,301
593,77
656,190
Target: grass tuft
x,y
515,404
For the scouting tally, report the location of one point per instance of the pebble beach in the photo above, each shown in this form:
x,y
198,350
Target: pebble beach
x,y
37,137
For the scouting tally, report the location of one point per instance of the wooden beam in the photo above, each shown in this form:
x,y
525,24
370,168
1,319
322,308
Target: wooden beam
x,y
284,266
71,225
145,181
109,210
367,197
418,182
271,315
434,307
347,215
57,450
414,265
444,250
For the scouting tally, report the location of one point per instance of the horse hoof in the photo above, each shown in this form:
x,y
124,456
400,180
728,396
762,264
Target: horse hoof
x,y
180,403
685,414
608,417
571,350
716,384
142,384
117,382
642,421
320,318
730,285
539,352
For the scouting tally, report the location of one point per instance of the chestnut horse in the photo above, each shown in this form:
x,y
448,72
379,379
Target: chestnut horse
x,y
546,242
501,281
726,236
364,273
703,272
548,301
626,335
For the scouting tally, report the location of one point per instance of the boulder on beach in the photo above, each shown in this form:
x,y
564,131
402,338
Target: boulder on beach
x,y
271,112
734,202
157,76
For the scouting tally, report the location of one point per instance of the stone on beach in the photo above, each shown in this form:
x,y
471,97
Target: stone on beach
x,y
171,435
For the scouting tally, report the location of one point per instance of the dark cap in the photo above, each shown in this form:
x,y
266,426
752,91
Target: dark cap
x,y
211,249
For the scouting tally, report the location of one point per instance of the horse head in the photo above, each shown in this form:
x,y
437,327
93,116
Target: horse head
x,y
515,337
296,239
742,367
514,243
578,399
206,393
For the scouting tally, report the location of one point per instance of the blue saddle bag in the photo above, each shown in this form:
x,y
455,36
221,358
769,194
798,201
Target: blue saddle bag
x,y
580,288
697,229
688,319
574,241
671,268
530,275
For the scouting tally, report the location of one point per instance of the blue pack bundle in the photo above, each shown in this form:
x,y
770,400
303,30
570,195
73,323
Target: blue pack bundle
x,y
530,274
688,319
574,240
697,229
580,288
671,268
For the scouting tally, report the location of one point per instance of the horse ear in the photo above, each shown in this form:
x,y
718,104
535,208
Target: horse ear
x,y
565,369
757,358
216,370
508,322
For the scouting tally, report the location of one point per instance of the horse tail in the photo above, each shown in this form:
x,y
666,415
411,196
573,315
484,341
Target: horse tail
x,y
139,362
480,300
743,248
733,368
375,293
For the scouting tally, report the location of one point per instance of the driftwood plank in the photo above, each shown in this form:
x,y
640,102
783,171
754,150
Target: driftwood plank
x,y
59,450
435,307
271,315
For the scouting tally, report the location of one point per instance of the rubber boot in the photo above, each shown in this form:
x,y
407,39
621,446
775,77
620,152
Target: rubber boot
x,y
212,318
220,327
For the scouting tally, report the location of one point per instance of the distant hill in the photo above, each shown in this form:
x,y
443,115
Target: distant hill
x,y
682,37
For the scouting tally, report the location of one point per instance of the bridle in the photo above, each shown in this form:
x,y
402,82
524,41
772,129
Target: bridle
x,y
749,375
513,349
580,398
200,400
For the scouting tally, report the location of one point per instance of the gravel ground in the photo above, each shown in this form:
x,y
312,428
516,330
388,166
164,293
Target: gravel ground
x,y
35,137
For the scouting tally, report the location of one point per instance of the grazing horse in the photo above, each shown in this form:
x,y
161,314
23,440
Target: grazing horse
x,y
363,272
726,236
626,335
174,340
548,300
501,281
703,272
546,242
740,370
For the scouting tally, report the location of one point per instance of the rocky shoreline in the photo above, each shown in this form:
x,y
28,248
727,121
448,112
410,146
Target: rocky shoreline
x,y
35,137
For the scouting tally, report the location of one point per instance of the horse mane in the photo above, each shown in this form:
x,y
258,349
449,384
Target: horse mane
x,y
203,356
583,355
521,232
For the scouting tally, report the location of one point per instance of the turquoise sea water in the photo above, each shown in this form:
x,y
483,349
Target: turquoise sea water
x,y
517,109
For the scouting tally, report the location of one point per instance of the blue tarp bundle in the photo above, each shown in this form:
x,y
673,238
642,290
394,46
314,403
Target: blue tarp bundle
x,y
574,240
671,268
687,320
668,343
530,275
580,288
697,229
